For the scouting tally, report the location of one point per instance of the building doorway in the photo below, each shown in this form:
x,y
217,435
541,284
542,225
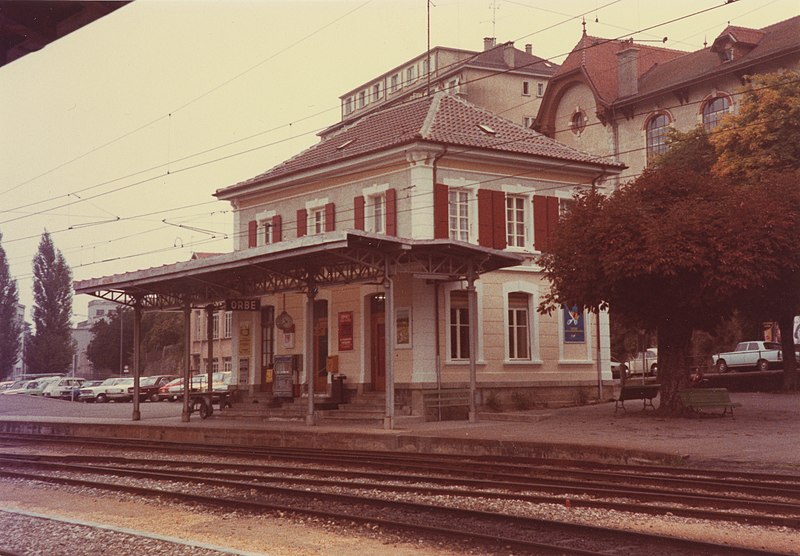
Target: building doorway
x,y
377,334
320,346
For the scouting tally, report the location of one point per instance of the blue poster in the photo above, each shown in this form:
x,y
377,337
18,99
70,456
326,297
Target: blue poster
x,y
573,326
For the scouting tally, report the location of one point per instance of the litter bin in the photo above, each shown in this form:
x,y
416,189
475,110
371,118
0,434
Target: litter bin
x,y
338,393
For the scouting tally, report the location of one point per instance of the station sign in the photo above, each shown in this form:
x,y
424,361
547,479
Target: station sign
x,y
242,304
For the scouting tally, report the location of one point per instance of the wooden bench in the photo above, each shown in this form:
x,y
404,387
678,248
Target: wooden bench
x,y
696,399
644,392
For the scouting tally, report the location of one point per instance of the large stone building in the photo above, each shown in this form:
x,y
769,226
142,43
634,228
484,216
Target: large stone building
x,y
617,99
82,335
501,78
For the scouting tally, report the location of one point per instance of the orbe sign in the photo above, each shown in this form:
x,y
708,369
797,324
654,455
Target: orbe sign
x,y
242,304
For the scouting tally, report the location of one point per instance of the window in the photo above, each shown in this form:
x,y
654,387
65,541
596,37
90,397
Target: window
x,y
458,212
426,67
268,235
714,110
100,312
377,214
318,220
515,221
215,365
215,325
459,325
394,83
527,121
452,86
347,107
526,88
376,92
578,122
226,328
657,135
227,364
198,329
411,74
518,336
540,89
362,99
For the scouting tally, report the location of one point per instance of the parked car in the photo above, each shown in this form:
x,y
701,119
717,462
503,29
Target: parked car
x,y
5,385
170,390
221,381
118,392
39,385
63,387
75,394
618,369
645,362
99,393
149,386
750,355
17,388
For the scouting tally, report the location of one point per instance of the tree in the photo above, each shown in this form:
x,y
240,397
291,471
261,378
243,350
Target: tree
x,y
759,151
10,326
665,253
51,348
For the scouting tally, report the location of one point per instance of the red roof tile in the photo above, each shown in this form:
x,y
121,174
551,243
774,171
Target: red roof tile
x,y
442,118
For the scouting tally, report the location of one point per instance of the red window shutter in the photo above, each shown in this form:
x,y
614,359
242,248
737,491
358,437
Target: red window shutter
x,y
441,227
302,219
499,218
330,217
252,233
276,228
485,218
391,212
540,226
358,212
552,217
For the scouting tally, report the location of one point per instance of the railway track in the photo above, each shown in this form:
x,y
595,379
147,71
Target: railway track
x,y
436,495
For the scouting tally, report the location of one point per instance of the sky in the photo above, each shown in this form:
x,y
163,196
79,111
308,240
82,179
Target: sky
x,y
115,137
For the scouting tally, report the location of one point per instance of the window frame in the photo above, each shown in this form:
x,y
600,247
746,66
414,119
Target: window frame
x,y
462,201
656,135
522,202
540,89
227,324
532,293
518,327
711,119
446,290
526,88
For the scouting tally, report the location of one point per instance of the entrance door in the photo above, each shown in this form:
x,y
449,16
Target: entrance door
x,y
378,342
267,348
320,346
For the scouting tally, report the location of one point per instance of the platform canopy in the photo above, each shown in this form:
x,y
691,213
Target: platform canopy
x,y
334,259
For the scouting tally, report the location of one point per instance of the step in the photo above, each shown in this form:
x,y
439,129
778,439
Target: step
x,y
513,417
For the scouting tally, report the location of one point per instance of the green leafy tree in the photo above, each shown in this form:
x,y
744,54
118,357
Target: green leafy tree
x,y
665,253
51,348
10,326
759,151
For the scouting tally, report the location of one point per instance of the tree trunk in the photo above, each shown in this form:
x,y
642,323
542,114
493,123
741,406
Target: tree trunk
x,y
790,378
673,369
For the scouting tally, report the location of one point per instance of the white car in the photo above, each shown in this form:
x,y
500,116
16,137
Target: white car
x,y
63,387
98,393
16,388
118,392
646,361
750,355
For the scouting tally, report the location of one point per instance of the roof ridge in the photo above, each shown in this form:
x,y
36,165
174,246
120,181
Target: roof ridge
x,y
430,117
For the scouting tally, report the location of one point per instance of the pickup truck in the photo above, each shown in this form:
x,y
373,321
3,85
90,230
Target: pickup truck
x,y
760,356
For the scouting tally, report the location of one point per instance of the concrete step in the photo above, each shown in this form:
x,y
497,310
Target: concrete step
x,y
512,417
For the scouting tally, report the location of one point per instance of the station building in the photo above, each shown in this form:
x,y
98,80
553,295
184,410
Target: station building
x,y
399,251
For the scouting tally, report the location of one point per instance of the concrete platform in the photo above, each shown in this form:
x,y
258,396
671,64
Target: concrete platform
x,y
764,435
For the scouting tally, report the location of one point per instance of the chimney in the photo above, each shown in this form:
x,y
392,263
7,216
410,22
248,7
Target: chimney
x,y
529,49
488,43
628,71
509,54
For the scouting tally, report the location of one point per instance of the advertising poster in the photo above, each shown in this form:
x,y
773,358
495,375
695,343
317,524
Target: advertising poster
x,y
573,326
346,331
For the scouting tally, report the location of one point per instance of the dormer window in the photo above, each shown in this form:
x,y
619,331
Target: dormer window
x,y
727,54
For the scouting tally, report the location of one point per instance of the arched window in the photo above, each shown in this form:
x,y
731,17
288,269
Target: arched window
x,y
714,110
657,135
578,122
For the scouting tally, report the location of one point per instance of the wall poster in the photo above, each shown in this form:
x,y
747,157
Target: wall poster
x,y
346,331
403,327
573,326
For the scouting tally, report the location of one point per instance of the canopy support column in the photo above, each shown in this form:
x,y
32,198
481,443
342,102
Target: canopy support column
x,y
389,328
472,304
210,338
187,353
311,295
137,350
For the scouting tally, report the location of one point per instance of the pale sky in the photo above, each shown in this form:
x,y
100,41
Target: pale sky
x,y
140,116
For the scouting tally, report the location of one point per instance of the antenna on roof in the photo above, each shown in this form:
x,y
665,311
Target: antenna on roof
x,y
584,25
494,7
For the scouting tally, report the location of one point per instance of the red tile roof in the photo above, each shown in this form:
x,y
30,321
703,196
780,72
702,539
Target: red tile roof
x,y
597,58
441,118
775,40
